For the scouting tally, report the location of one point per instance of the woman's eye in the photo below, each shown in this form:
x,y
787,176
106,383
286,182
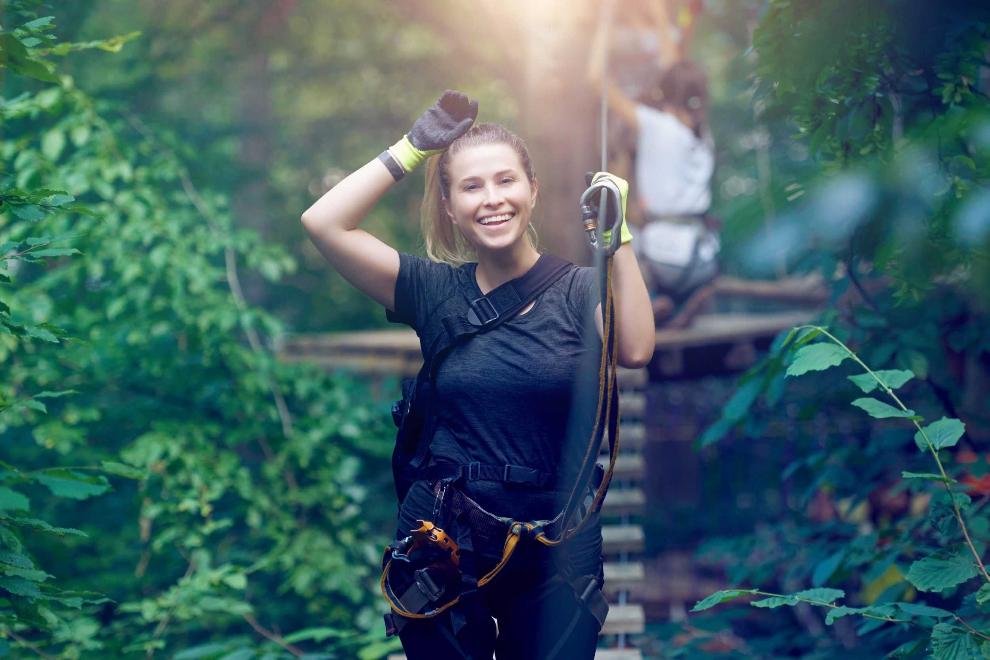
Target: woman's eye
x,y
507,179
471,186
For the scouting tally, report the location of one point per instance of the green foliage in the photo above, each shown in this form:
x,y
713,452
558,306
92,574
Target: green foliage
x,y
132,353
26,596
891,102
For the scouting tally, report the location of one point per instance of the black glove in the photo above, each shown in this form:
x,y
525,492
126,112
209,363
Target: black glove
x,y
447,120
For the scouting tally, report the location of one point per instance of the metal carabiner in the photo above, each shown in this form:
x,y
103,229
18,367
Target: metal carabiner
x,y
594,214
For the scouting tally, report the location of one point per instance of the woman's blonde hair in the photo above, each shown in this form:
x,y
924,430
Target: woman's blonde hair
x,y
444,242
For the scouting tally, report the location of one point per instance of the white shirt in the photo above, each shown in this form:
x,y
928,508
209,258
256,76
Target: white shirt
x,y
673,166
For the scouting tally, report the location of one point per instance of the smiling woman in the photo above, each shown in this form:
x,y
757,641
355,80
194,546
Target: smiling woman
x,y
494,443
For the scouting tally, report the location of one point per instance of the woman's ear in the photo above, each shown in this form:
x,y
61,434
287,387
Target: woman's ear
x,y
535,186
446,209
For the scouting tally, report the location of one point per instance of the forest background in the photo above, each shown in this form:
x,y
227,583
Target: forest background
x,y
168,488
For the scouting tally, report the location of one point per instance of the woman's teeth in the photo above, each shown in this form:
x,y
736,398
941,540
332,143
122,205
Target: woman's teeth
x,y
496,219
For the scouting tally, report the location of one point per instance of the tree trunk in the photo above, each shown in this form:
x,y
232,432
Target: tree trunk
x,y
560,117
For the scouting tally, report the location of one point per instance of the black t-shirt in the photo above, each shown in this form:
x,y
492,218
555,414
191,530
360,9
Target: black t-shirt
x,y
504,396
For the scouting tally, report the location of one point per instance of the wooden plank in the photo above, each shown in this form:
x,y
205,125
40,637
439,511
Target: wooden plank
x,y
631,502
628,619
618,654
630,379
623,577
628,467
709,329
631,437
622,538
632,405
810,289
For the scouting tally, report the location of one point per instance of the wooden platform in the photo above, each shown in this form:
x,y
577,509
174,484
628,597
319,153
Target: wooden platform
x,y
382,353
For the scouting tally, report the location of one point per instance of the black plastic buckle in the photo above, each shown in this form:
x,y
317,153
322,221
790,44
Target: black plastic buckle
x,y
391,627
475,307
517,474
589,588
426,584
474,471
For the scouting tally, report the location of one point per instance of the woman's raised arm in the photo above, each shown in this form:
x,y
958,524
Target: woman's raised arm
x,y
332,222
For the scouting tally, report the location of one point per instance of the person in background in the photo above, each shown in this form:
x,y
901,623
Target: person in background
x,y
678,243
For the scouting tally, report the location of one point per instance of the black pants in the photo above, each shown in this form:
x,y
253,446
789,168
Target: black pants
x,y
534,623
538,614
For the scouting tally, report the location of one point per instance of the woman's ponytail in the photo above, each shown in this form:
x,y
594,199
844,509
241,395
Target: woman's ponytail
x,y
444,242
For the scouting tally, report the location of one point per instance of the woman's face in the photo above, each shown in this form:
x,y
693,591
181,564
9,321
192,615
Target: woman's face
x,y
490,197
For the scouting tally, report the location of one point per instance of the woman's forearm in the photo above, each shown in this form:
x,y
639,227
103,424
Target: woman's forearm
x,y
344,206
634,324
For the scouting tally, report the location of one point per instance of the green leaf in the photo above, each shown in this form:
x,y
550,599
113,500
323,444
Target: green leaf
x,y
841,611
32,404
65,483
53,395
738,406
817,357
377,650
826,568
201,651
18,586
951,643
84,211
40,333
775,601
821,595
54,252
125,471
28,212
983,595
15,559
39,23
929,476
917,609
881,410
53,143
719,597
237,581
910,649
316,635
943,433
30,574
42,526
892,378
11,500
59,200
239,654
940,570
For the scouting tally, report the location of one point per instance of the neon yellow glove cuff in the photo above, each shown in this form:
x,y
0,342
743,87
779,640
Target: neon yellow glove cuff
x,y
408,156
624,234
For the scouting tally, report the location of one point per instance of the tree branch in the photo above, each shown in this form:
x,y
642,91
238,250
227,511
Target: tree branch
x,y
23,642
294,650
230,257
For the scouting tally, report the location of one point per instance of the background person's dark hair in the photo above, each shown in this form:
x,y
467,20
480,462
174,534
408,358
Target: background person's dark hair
x,y
683,85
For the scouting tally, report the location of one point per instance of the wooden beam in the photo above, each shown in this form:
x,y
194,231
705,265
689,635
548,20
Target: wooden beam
x,y
810,289
710,329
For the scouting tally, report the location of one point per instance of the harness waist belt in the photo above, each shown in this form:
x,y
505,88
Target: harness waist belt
x,y
474,471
